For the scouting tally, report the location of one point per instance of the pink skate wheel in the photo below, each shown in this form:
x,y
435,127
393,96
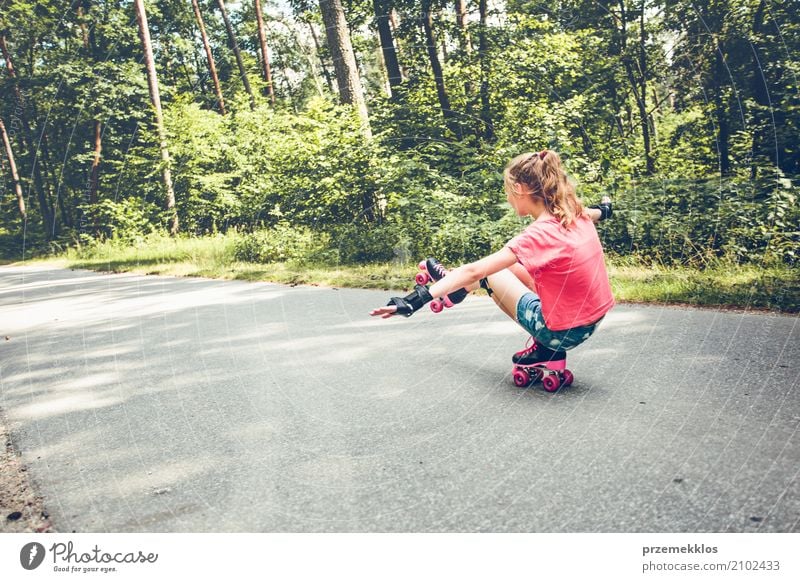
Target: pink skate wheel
x,y
568,378
422,278
551,382
436,306
447,302
422,266
521,378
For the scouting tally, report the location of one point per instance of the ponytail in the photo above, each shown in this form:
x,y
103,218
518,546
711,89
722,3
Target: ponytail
x,y
544,175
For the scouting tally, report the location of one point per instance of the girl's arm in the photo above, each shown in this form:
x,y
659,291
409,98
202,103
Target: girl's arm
x,y
461,277
595,213
473,272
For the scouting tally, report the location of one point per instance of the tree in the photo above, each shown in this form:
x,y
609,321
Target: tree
x,y
438,75
318,49
382,10
155,97
461,23
705,39
43,195
344,60
13,168
483,56
636,69
262,41
90,49
212,68
237,52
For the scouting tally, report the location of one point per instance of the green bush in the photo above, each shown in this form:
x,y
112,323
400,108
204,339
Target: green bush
x,y
278,244
356,244
126,220
202,146
697,222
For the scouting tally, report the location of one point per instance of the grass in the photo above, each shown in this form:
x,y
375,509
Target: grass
x,y
728,285
742,286
214,257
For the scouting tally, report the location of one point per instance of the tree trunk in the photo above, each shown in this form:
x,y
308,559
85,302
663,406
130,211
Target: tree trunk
x,y
483,46
394,24
325,71
84,30
650,167
760,93
94,175
201,80
14,174
94,172
638,85
387,43
262,40
461,21
466,46
720,106
49,178
436,66
344,60
212,68
236,52
614,49
349,82
48,215
155,97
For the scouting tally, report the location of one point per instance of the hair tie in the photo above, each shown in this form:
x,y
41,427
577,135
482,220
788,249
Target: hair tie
x,y
542,154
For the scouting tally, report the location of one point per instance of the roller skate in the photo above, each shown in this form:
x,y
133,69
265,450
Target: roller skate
x,y
536,363
433,270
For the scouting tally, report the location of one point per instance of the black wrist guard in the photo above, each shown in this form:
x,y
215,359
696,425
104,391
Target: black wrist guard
x,y
412,302
605,210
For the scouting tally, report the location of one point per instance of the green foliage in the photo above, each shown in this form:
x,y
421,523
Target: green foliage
x,y
299,181
696,222
127,220
313,168
278,244
203,176
351,244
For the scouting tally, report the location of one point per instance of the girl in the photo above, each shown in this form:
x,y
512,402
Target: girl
x,y
551,279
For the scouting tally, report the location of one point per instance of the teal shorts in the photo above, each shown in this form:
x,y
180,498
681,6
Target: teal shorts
x,y
529,316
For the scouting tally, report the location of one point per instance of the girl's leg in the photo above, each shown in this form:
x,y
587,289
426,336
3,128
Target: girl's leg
x,y
523,275
507,289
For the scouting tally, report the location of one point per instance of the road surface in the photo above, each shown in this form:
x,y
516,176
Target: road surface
x,y
158,404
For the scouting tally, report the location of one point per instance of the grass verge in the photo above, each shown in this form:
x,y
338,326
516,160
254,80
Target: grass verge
x,y
723,285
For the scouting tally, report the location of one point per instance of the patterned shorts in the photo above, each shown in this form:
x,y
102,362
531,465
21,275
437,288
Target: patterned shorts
x,y
529,316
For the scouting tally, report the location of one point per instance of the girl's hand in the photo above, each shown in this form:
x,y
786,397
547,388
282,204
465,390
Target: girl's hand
x,y
600,211
384,312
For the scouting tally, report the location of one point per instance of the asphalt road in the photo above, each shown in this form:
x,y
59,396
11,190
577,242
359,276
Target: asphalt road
x,y
157,404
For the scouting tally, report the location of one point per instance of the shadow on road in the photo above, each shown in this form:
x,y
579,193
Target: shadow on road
x,y
164,404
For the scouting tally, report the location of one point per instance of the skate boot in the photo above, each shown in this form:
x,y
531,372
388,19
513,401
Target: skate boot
x,y
433,270
537,362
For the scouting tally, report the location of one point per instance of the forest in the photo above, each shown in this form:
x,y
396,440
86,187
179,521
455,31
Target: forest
x,y
369,131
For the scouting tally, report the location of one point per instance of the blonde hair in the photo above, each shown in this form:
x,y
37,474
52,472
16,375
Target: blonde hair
x,y
544,175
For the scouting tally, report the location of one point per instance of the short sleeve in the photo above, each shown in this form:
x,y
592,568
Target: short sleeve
x,y
524,248
536,246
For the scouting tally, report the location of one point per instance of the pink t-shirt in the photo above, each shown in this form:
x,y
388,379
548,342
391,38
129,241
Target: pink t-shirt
x,y
568,271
